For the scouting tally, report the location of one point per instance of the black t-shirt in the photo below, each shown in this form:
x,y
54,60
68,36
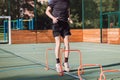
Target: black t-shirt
x,y
60,8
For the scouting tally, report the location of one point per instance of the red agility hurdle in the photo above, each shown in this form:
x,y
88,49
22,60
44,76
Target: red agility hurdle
x,y
81,66
60,57
62,51
81,69
102,75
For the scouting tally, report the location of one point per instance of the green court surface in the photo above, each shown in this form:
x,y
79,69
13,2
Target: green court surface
x,y
27,61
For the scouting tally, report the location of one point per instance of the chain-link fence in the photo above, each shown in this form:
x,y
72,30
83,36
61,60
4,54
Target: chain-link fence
x,y
86,14
105,10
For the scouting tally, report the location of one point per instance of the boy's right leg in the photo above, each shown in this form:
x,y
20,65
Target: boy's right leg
x,y
57,53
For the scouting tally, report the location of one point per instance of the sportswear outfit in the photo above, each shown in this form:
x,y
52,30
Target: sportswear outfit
x,y
60,10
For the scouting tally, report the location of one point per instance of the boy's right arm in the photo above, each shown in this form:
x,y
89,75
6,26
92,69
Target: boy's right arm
x,y
48,13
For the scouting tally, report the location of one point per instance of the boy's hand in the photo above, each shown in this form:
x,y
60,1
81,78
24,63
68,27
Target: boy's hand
x,y
70,20
55,20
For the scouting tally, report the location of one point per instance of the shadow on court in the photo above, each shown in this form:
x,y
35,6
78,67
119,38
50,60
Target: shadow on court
x,y
34,77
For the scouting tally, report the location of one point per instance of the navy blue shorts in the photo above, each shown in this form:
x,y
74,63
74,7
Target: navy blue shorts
x,y
61,28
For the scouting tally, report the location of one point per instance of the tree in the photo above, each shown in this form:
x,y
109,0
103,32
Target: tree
x,y
76,13
3,7
43,22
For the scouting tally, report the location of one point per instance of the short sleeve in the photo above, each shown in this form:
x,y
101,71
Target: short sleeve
x,y
51,3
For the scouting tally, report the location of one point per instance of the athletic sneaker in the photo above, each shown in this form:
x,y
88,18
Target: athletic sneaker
x,y
58,69
66,66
